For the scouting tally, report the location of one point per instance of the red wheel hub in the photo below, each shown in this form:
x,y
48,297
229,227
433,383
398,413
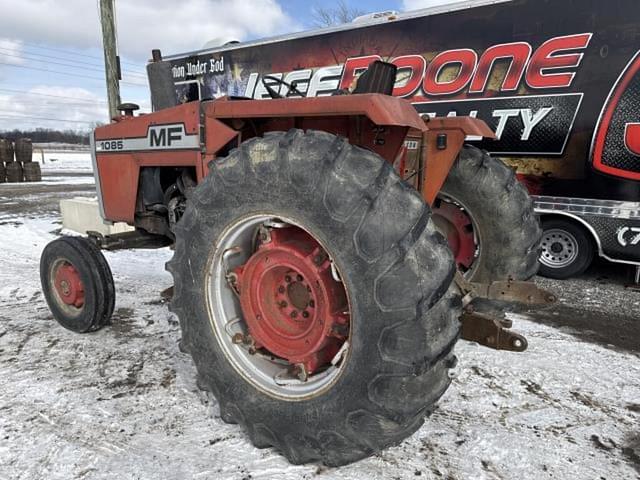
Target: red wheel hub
x,y
292,305
455,224
69,286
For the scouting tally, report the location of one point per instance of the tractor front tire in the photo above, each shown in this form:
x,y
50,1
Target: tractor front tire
x,y
500,215
396,270
77,284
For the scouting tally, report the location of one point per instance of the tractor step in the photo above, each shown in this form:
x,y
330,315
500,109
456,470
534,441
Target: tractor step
x,y
129,240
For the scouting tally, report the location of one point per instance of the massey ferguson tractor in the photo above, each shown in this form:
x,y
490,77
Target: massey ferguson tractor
x,y
319,301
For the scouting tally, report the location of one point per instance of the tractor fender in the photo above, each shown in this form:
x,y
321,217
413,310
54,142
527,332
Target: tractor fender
x,y
442,142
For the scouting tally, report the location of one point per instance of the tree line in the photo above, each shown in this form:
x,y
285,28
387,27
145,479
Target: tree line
x,y
46,135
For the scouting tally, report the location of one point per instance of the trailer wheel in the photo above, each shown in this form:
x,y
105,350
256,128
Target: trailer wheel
x,y
315,297
567,249
77,284
488,219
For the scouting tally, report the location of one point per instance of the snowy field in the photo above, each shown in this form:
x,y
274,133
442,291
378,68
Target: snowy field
x,y
122,403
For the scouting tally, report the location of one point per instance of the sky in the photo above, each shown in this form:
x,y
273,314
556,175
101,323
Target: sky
x,y
51,64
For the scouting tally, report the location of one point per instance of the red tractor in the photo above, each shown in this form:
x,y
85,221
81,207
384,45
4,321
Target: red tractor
x,y
318,299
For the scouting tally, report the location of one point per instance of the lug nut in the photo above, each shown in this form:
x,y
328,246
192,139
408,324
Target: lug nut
x,y
287,279
281,289
305,314
283,304
294,314
238,338
312,303
300,278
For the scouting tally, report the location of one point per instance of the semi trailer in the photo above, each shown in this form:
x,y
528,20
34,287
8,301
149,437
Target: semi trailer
x,y
558,81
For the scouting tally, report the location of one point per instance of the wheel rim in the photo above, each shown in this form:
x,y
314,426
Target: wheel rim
x,y
67,286
458,226
278,308
559,248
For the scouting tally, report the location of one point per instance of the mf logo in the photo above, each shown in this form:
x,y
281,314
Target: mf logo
x,y
166,136
629,236
632,138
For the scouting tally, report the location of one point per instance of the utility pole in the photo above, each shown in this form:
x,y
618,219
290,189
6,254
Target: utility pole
x,y
111,60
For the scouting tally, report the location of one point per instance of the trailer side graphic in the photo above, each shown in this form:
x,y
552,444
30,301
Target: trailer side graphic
x,y
557,80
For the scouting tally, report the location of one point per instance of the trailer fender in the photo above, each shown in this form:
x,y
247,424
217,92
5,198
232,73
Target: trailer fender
x,y
590,229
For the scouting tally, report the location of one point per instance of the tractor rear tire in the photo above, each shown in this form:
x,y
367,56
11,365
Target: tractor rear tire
x,y
506,228
397,271
85,301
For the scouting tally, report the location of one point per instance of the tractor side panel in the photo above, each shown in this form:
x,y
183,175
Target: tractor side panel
x,y
119,175
169,138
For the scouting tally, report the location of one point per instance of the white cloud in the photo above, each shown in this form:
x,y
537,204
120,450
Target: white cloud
x,y
11,51
418,4
170,25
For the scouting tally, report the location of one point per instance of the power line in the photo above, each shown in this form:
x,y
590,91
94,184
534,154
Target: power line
x,y
37,58
31,106
25,92
77,75
78,66
34,45
10,122
32,117
138,70
55,104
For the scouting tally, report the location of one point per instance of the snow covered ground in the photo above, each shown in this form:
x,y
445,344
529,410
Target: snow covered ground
x,y
122,403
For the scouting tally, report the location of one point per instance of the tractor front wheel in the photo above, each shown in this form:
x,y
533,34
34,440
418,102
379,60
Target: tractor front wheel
x,y
77,284
315,297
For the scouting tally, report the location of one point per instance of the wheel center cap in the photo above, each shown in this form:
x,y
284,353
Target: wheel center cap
x,y
299,295
292,305
69,286
556,247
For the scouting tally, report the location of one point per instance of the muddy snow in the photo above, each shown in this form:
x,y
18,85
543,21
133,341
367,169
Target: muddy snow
x,y
122,403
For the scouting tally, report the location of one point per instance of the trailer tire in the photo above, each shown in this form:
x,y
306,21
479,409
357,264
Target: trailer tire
x,y
502,214
397,271
567,249
84,269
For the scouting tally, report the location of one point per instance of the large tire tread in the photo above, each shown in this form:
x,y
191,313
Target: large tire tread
x,y
505,214
415,268
97,278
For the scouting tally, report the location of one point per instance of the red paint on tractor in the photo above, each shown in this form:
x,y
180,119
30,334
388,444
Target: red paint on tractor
x,y
293,306
456,225
69,286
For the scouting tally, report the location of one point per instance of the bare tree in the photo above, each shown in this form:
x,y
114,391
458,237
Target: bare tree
x,y
341,13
